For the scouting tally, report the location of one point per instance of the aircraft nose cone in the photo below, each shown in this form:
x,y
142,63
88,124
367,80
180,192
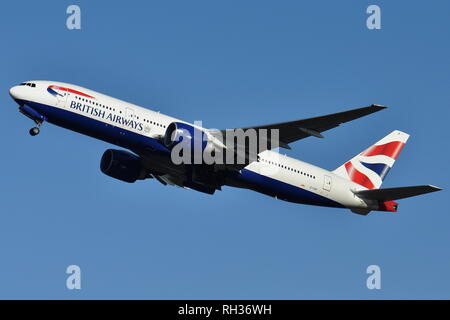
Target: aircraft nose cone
x,y
13,92
18,94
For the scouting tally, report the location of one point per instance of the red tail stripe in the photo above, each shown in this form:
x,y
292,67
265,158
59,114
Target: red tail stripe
x,y
390,149
358,177
72,91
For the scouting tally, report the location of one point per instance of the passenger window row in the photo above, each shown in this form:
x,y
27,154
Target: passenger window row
x,y
96,104
154,123
287,168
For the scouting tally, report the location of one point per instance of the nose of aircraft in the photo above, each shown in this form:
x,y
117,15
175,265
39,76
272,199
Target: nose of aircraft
x,y
19,94
13,92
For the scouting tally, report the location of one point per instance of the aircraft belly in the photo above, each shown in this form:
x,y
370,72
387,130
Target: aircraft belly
x,y
282,190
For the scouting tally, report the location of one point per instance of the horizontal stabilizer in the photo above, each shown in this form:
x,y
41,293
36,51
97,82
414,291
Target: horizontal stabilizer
x,y
395,193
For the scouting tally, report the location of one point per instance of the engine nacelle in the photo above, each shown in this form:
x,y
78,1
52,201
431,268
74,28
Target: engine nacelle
x,y
182,132
122,165
195,140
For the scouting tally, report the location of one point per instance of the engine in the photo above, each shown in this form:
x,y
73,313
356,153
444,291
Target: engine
x,y
193,139
122,165
182,132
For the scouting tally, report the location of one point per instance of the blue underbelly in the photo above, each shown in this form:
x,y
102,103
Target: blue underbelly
x,y
281,190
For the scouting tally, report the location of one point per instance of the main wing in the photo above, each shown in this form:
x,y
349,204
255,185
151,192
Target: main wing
x,y
296,130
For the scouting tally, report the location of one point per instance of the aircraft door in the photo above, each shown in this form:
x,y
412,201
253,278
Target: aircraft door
x,y
327,183
62,97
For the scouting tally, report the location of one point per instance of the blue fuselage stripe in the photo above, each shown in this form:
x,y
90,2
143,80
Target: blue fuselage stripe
x,y
282,190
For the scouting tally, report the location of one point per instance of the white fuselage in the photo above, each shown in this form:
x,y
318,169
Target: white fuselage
x,y
123,119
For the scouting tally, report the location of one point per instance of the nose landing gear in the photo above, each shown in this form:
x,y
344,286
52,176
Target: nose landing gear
x,y
34,131
34,115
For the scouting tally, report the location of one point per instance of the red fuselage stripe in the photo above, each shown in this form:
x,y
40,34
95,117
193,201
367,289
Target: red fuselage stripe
x,y
72,91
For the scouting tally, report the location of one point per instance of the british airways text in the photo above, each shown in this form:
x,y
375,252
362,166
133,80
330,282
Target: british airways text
x,y
96,112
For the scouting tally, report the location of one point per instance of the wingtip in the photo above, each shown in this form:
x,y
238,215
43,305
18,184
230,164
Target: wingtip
x,y
379,106
434,188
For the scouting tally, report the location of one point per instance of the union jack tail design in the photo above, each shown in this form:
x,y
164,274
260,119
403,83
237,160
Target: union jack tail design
x,y
370,167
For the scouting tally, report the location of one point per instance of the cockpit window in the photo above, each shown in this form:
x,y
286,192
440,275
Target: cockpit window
x,y
29,84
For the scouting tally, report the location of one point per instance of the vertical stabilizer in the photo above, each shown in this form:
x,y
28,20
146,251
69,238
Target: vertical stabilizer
x,y
370,167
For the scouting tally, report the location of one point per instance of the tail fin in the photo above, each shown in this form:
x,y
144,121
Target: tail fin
x,y
369,168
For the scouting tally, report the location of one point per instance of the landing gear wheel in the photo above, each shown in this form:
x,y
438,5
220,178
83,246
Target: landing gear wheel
x,y
34,131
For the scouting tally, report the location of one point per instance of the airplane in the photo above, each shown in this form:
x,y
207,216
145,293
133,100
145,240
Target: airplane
x,y
150,138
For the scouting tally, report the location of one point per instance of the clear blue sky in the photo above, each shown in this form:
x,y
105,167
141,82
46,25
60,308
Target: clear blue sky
x,y
229,64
